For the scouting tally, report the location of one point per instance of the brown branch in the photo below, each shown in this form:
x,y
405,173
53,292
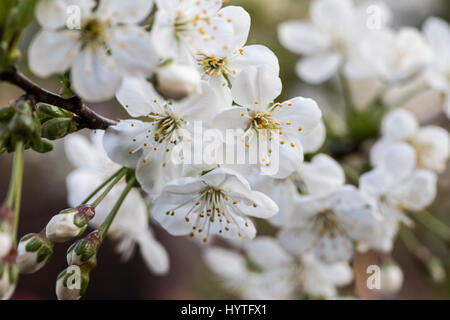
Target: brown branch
x,y
85,117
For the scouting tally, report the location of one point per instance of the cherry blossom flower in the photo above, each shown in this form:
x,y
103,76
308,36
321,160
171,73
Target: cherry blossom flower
x,y
108,45
216,203
437,33
149,144
270,131
326,42
394,187
431,143
329,226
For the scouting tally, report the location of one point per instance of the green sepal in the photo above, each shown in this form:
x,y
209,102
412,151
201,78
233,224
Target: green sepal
x,y
34,244
132,174
58,128
46,112
44,253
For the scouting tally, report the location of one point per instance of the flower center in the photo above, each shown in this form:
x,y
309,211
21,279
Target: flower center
x,y
212,207
262,120
93,31
327,222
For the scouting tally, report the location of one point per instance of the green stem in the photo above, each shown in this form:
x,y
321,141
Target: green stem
x,y
119,176
347,93
100,187
414,246
433,224
103,230
18,176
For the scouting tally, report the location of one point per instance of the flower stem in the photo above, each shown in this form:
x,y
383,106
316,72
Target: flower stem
x,y
119,176
103,230
100,187
17,185
414,246
433,224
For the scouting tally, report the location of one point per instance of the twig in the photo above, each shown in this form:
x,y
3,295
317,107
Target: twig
x,y
85,117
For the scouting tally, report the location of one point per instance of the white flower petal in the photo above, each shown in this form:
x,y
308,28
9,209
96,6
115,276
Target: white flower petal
x,y
399,124
130,11
303,38
52,52
154,254
94,75
254,55
301,115
138,97
297,241
314,140
354,213
240,19
119,142
53,14
419,191
80,183
132,49
256,87
433,145
322,175
319,68
267,253
437,32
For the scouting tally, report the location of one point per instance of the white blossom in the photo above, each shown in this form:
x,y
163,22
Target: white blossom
x,y
437,33
272,132
108,45
335,29
329,226
219,202
431,143
149,145
393,187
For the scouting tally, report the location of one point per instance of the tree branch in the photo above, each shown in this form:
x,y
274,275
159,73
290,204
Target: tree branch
x,y
85,117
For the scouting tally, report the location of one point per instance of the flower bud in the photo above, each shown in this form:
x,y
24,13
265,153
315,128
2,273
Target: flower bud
x,y
391,278
6,222
34,252
84,251
69,223
177,81
22,124
72,283
9,275
57,128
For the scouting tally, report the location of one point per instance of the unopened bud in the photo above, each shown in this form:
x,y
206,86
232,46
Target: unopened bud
x,y
34,252
72,283
9,275
391,278
69,223
178,81
84,251
6,222
57,128
437,270
22,123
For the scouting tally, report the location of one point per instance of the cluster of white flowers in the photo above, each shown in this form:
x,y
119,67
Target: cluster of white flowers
x,y
187,79
322,221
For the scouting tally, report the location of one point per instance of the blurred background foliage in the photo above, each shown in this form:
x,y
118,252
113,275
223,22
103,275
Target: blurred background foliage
x,y
45,193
